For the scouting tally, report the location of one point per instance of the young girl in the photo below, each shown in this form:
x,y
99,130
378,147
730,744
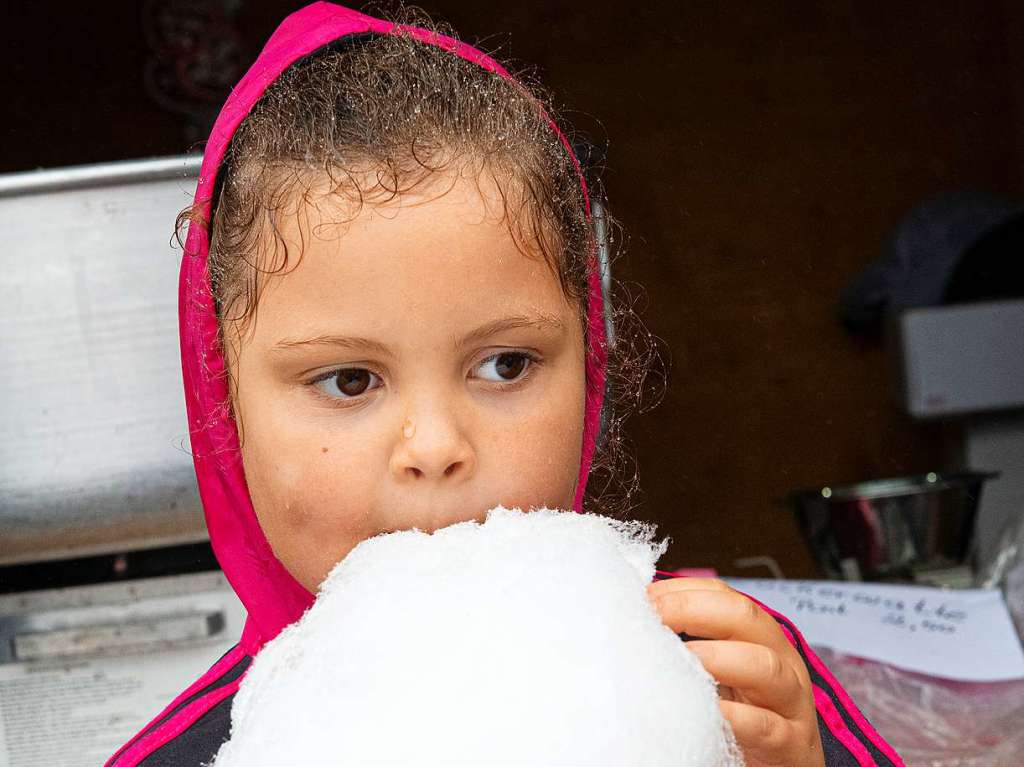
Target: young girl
x,y
417,236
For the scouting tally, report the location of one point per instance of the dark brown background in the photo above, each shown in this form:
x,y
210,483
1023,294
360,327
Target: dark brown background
x,y
758,155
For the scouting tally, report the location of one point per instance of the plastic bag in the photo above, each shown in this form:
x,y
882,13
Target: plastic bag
x,y
935,722
1005,570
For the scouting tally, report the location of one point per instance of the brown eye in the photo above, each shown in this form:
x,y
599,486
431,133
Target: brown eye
x,y
353,381
507,366
343,384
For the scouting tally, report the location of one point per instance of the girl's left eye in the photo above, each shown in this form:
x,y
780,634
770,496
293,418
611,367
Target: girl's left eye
x,y
508,366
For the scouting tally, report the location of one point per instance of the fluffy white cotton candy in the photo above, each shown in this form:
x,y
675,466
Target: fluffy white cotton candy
x,y
525,640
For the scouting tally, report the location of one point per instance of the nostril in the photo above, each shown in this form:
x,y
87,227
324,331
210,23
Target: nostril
x,y
450,470
414,471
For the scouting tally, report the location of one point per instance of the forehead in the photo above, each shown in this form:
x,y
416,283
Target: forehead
x,y
423,264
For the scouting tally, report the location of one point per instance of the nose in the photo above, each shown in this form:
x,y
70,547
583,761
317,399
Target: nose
x,y
431,445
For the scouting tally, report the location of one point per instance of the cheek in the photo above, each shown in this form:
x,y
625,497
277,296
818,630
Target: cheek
x,y
310,488
313,504
301,468
538,459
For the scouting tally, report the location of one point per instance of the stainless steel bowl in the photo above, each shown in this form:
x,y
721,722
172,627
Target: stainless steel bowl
x,y
887,529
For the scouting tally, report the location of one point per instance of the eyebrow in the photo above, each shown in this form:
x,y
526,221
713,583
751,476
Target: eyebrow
x,y
488,329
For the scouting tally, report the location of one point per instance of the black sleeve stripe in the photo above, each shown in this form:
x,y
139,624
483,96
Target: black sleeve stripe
x,y
820,681
836,754
198,744
230,675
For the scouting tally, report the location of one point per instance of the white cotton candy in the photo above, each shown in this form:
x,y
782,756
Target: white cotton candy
x,y
525,640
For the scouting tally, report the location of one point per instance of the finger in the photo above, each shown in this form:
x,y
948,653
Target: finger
x,y
761,733
764,677
716,614
657,588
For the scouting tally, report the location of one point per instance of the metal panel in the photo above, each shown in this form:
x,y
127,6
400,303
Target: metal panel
x,y
94,450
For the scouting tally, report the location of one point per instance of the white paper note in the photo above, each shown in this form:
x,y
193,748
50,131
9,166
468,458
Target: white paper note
x,y
963,634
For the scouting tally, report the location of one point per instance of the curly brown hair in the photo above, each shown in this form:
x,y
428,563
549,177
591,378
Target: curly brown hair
x,y
378,114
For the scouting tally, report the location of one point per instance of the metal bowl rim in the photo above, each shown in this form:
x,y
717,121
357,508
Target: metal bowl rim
x,y
917,484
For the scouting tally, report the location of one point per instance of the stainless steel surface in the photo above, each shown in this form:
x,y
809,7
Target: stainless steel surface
x,y
100,174
116,619
889,528
150,633
94,450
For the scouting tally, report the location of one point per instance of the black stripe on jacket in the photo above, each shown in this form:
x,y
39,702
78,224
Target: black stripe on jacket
x,y
197,744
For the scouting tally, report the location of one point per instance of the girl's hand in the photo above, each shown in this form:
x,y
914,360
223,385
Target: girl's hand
x,y
764,685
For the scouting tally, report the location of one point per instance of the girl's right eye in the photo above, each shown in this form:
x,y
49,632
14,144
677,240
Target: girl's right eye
x,y
344,383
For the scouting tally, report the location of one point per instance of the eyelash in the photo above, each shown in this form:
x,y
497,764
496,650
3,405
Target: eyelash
x,y
513,385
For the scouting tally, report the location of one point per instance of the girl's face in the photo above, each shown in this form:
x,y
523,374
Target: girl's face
x,y
414,370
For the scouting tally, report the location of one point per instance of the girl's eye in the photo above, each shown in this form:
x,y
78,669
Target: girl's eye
x,y
349,382
343,384
507,366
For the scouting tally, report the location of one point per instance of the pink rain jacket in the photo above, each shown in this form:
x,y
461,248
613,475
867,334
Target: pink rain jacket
x,y
192,727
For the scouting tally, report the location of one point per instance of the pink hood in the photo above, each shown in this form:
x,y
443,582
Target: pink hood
x,y
272,597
